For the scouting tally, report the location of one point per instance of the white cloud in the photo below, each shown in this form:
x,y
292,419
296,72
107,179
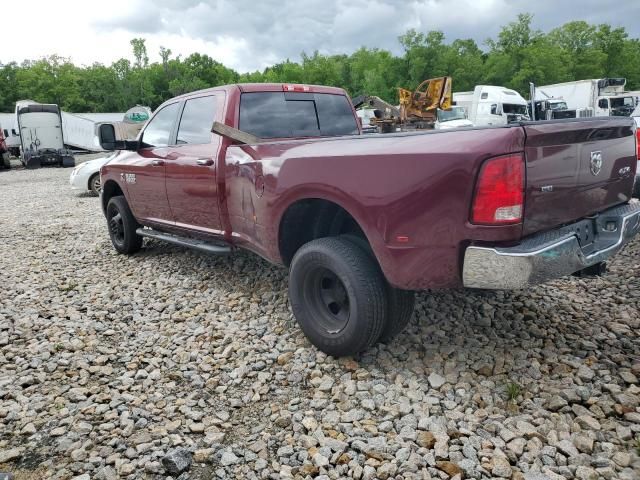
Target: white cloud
x,y
248,34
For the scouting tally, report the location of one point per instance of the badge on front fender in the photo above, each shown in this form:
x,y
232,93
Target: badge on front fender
x,y
128,177
596,163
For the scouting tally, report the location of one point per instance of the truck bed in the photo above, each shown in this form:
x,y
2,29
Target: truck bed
x,y
411,192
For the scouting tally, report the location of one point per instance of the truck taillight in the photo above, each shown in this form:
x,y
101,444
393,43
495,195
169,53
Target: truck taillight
x,y
638,143
499,195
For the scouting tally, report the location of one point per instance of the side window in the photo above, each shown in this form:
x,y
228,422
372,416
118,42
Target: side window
x,y
603,103
484,96
197,119
335,115
158,130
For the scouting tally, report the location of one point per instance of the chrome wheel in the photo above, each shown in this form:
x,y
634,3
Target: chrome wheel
x,y
95,185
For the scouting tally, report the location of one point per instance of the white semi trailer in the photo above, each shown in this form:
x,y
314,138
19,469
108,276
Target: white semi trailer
x,y
492,105
602,96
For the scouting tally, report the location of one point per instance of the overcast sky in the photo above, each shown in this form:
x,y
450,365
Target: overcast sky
x,y
248,35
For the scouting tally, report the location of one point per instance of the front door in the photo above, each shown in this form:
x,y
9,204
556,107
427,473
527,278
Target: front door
x,y
192,188
146,169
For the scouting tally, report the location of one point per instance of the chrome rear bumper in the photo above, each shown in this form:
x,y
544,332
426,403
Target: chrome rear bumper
x,y
553,254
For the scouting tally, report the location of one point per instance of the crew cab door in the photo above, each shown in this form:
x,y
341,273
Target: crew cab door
x,y
144,173
191,178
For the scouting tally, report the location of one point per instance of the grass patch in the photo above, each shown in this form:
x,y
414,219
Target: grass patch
x,y
513,391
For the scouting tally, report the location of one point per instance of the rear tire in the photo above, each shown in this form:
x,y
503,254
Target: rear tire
x,y
337,295
6,163
122,226
400,306
94,184
400,303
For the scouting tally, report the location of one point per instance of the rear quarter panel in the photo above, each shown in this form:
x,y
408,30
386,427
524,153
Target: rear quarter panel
x,y
418,186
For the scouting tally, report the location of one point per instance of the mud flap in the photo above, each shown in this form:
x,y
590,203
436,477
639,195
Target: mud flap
x,y
68,161
32,162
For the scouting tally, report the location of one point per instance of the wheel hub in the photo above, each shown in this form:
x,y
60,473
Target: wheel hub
x,y
97,186
116,227
329,298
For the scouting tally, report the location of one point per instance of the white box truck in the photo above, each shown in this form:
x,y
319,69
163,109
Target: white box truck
x,y
41,138
492,105
604,96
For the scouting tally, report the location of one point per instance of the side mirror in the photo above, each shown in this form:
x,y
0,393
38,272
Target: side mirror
x,y
108,140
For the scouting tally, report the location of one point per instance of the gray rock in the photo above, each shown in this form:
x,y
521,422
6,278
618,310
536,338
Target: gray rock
x,y
228,458
567,448
585,373
587,422
435,380
583,443
387,470
177,461
556,403
501,467
586,473
10,454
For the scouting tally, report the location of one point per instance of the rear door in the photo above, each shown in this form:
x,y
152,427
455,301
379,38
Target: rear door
x,y
144,173
192,187
576,168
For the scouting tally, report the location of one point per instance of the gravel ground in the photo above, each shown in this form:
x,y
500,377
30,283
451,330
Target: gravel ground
x,y
144,366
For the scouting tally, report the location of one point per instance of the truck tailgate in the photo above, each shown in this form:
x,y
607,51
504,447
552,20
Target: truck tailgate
x,y
576,168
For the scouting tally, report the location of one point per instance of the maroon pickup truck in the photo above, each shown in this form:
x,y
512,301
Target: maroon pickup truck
x,y
362,221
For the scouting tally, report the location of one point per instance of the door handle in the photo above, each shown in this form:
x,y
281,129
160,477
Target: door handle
x,y
204,161
157,163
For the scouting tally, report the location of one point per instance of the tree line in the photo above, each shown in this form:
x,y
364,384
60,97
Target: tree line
x,y
520,54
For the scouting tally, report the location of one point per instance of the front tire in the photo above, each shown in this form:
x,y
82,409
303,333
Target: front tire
x,y
122,226
337,295
94,184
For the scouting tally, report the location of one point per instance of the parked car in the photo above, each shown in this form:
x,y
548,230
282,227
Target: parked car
x,y
86,176
362,221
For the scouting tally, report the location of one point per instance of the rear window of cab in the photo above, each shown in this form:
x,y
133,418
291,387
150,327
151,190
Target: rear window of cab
x,y
296,114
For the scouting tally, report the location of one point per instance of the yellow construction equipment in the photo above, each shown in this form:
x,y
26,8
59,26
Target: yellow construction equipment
x,y
418,109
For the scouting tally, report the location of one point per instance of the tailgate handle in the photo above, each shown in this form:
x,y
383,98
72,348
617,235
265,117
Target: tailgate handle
x,y
157,163
204,161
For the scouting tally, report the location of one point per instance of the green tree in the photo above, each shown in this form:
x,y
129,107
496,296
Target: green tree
x,y
518,55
